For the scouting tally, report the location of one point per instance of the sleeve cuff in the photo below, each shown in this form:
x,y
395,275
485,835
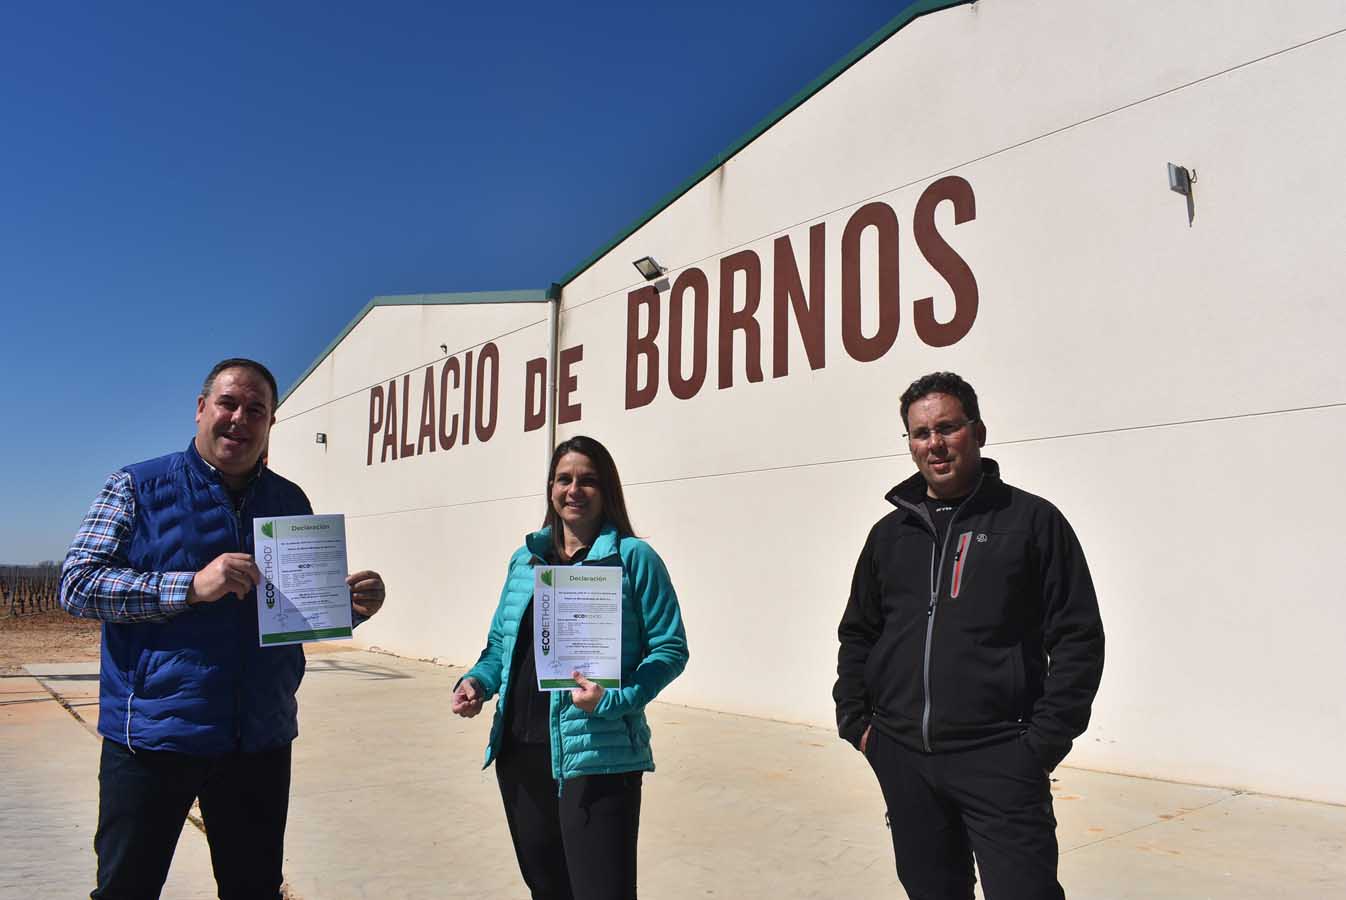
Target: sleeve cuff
x,y
853,730
605,703
1049,755
487,690
173,587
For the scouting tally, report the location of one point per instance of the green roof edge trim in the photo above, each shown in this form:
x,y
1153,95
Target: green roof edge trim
x,y
534,296
553,292
897,23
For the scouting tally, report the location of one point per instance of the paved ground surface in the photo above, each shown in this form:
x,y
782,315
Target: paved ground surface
x,y
49,793
389,801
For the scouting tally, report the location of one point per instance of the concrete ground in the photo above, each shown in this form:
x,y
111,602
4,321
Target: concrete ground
x,y
49,792
389,800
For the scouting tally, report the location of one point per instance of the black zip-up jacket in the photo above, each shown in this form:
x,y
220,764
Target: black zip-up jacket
x,y
995,633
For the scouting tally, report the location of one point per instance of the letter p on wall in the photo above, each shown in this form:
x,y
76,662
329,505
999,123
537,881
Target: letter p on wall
x,y
375,419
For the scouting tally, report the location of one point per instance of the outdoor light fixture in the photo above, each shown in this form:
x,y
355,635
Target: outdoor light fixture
x,y
648,268
1180,179
320,438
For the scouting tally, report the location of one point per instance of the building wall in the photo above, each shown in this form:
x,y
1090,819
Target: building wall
x,y
1172,387
427,521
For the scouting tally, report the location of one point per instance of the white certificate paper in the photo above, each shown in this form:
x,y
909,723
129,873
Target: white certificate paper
x,y
577,625
303,595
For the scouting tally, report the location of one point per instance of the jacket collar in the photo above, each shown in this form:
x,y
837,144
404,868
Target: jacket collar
x,y
910,494
211,475
604,546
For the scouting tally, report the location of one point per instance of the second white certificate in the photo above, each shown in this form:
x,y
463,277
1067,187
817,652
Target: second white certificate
x,y
303,595
577,625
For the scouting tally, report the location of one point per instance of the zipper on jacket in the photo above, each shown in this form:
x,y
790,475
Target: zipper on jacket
x,y
557,750
242,543
936,576
238,517
557,742
936,571
959,562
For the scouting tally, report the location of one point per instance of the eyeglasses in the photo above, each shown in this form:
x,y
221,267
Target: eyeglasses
x,y
943,429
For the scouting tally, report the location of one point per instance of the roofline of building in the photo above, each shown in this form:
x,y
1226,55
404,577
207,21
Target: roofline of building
x,y
532,296
894,25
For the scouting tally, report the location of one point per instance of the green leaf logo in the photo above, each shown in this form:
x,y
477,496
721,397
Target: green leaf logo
x,y
546,577
268,529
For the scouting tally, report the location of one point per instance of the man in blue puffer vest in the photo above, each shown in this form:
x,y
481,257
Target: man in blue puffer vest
x,y
189,705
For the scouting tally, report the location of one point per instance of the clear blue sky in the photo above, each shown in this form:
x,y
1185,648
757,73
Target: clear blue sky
x,y
184,182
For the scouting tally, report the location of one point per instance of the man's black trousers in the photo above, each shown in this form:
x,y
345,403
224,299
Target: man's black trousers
x,y
992,802
580,845
143,800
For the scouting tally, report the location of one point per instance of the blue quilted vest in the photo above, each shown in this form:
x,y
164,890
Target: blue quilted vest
x,y
198,683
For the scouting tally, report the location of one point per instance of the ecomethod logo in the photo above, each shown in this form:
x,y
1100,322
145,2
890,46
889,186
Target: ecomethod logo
x,y
544,607
267,567
544,610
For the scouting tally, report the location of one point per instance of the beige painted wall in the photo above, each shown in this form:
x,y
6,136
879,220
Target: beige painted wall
x,y
440,525
1175,389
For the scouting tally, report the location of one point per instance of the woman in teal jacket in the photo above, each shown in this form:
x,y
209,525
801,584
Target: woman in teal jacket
x,y
569,764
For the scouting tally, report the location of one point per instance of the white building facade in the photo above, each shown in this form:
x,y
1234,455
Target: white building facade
x,y
981,188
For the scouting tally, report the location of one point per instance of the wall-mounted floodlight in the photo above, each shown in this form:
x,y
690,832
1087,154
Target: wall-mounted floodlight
x,y
320,438
1180,181
648,268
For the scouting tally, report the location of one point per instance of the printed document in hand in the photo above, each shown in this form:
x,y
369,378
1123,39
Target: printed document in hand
x,y
303,595
577,625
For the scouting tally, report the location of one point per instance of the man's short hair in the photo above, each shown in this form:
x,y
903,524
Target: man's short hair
x,y
941,383
238,362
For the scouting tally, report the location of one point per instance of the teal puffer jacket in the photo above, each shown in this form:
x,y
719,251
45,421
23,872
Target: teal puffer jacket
x,y
615,736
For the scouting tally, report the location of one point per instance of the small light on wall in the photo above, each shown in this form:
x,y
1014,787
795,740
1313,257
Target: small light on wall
x,y
648,268
320,438
1180,179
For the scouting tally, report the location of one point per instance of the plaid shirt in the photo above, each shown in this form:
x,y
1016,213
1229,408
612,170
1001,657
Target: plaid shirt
x,y
96,579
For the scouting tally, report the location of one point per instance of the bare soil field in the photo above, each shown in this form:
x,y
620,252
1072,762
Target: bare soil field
x,y
53,636
57,636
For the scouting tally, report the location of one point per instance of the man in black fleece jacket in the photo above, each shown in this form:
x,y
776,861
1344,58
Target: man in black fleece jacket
x,y
971,650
